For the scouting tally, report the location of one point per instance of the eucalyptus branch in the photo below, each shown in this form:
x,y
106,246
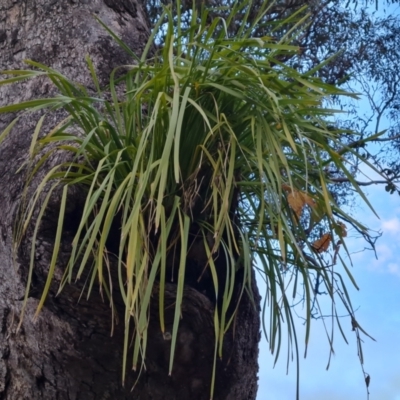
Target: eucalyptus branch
x,y
360,183
353,145
387,139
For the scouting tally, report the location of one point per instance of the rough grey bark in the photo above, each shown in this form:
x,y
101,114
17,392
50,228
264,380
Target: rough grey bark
x,y
67,352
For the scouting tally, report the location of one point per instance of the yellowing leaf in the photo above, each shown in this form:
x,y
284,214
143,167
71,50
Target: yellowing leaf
x,y
341,229
322,244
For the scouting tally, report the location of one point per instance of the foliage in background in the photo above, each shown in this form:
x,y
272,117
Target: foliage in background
x,y
212,138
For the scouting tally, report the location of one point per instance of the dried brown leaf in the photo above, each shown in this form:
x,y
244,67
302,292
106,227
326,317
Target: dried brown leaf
x,y
323,243
298,199
296,203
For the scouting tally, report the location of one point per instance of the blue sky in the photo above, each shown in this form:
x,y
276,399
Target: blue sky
x,y
377,303
378,312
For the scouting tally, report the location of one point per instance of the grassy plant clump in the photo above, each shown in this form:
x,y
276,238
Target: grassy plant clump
x,y
210,137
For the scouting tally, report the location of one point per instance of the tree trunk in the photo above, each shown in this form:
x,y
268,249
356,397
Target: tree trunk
x,y
67,352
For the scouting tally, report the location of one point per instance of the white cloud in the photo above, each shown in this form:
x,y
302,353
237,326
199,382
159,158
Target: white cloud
x,y
384,252
394,269
391,226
